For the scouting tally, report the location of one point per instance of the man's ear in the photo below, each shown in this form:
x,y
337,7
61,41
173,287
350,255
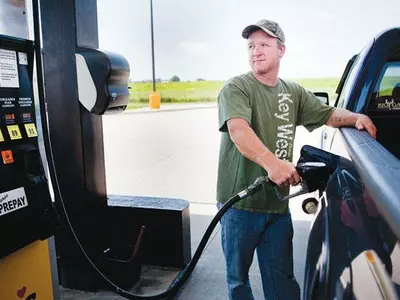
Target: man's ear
x,y
282,51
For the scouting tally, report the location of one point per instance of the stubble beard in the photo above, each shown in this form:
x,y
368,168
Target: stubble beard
x,y
264,70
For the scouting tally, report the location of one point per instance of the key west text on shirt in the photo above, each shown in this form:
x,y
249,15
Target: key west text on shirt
x,y
285,130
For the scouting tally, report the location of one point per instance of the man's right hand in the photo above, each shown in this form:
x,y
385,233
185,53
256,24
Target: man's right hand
x,y
282,173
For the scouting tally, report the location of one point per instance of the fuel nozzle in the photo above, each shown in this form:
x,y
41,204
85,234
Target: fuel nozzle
x,y
314,177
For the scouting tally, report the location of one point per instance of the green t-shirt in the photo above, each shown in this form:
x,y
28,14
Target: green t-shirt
x,y
273,113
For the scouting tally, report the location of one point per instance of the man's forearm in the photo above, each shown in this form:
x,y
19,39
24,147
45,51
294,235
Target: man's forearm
x,y
342,117
251,146
281,172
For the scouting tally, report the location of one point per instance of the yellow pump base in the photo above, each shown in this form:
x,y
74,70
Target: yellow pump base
x,y
154,100
26,274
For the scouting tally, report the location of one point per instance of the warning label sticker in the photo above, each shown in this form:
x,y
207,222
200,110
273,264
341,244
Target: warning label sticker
x,y
22,58
8,69
12,200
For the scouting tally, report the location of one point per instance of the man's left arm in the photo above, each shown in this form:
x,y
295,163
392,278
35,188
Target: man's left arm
x,y
344,118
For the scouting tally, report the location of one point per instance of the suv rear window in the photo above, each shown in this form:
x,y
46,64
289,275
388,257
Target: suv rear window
x,y
386,94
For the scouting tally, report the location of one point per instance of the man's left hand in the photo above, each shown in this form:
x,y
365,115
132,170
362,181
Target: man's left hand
x,y
364,123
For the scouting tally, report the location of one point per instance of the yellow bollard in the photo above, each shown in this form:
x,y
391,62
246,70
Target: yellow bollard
x,y
154,100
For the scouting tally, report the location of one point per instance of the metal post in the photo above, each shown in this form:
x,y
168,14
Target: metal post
x,y
154,97
152,45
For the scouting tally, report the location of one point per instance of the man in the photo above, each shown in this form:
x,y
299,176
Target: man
x,y
258,115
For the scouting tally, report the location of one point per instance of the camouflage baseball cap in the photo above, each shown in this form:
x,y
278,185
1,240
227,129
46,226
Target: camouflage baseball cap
x,y
270,27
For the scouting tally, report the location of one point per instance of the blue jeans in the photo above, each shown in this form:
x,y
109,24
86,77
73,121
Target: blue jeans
x,y
243,232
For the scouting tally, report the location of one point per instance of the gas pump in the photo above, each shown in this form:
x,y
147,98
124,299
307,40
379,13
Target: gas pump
x,y
25,202
26,207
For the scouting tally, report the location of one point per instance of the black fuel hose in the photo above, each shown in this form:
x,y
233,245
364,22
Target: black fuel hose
x,y
183,276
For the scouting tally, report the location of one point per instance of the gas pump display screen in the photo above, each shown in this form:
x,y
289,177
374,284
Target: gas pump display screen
x,y
24,193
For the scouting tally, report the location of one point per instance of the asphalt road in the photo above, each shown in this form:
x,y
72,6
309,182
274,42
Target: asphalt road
x,y
171,153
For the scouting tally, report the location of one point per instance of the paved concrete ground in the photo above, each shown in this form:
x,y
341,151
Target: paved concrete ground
x,y
208,279
173,152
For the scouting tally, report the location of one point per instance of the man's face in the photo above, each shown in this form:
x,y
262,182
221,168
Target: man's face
x,y
264,53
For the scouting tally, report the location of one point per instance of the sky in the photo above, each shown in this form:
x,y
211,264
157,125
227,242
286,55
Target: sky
x,y
202,39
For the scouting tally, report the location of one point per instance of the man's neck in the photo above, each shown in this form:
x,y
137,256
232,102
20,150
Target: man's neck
x,y
271,78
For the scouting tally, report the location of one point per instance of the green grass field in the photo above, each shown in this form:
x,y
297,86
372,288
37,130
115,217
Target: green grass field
x,y
207,91
387,85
